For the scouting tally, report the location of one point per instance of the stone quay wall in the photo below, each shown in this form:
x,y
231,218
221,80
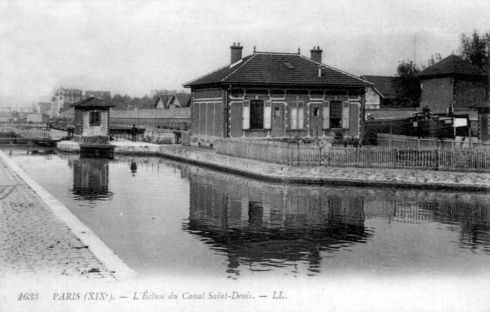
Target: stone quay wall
x,y
307,175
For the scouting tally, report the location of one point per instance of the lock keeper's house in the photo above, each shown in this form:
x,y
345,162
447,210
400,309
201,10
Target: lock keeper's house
x,y
276,96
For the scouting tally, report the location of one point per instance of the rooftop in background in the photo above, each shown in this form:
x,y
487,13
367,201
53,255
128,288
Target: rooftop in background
x,y
383,85
450,66
91,102
184,99
279,69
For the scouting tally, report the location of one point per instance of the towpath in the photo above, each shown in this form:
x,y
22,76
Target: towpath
x,y
34,241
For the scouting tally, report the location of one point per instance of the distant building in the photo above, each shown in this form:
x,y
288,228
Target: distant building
x,y
382,94
44,108
381,100
67,113
162,101
154,93
176,100
36,117
452,82
7,117
101,95
181,99
64,96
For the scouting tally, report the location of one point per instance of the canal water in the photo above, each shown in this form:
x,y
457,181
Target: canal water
x,y
166,218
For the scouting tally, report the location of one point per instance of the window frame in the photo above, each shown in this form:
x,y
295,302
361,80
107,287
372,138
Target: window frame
x,y
263,120
297,115
344,116
95,122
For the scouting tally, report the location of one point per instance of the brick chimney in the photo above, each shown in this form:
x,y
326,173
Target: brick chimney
x,y
236,53
316,54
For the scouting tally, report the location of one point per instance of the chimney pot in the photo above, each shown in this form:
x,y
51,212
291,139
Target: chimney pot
x,y
236,53
316,54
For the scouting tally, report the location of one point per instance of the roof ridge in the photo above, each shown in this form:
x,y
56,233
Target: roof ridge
x,y
277,53
238,67
333,68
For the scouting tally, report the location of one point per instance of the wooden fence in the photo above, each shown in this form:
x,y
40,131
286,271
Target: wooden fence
x,y
463,160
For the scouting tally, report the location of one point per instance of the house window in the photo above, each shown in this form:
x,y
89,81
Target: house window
x,y
297,115
94,118
257,114
336,115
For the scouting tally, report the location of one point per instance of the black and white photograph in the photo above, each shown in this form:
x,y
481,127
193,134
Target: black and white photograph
x,y
245,155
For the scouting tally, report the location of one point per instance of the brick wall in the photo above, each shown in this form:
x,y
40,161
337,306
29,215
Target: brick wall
x,y
469,92
440,93
437,93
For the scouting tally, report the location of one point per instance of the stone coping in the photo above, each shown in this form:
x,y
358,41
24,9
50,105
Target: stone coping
x,y
306,175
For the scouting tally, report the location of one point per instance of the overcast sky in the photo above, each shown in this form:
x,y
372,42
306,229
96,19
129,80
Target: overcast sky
x,y
133,47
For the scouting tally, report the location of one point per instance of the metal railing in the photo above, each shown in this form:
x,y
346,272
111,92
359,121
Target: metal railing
x,y
458,160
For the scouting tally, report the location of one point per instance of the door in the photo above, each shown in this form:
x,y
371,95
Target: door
x,y
316,120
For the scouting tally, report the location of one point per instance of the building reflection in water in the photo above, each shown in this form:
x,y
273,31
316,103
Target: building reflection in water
x,y
277,225
268,224
91,178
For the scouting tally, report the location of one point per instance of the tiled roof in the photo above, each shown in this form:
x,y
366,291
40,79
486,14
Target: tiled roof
x,y
91,102
184,99
382,85
165,99
65,108
279,69
452,65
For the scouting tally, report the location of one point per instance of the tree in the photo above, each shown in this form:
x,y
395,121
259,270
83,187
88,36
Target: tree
x,y
434,58
118,101
474,48
407,84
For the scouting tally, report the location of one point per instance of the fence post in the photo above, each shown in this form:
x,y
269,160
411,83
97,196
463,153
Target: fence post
x,y
320,155
436,157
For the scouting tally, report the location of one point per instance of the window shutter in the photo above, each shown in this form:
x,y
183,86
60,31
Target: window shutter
x,y
267,114
326,115
345,115
246,115
301,115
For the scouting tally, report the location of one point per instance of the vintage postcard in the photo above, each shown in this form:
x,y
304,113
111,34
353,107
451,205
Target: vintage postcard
x,y
244,155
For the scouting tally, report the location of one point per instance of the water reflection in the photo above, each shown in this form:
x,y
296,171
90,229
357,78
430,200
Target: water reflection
x,y
274,225
133,167
91,178
180,219
268,224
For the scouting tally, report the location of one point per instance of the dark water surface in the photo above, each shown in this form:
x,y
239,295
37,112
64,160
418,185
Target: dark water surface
x,y
169,218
